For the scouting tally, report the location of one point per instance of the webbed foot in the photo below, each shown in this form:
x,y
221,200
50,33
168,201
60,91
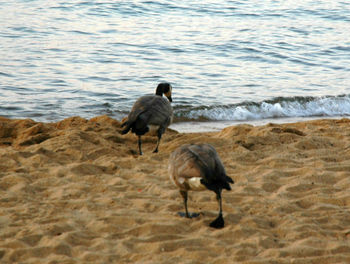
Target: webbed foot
x,y
190,215
218,222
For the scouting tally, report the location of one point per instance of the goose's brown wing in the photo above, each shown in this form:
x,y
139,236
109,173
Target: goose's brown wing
x,y
213,172
157,106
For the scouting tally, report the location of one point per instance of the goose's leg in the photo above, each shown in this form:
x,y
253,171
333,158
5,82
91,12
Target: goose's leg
x,y
139,143
156,149
184,194
159,132
219,221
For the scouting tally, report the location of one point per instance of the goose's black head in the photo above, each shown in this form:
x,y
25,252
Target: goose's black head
x,y
164,88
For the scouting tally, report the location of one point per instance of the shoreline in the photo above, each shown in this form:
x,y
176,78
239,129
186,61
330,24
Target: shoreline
x,y
76,191
216,126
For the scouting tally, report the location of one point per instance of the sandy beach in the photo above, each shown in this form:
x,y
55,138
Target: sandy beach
x,y
76,191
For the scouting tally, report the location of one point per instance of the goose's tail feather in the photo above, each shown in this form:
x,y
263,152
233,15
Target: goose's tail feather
x,y
125,130
226,181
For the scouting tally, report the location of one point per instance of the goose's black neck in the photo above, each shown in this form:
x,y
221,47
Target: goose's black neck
x,y
159,92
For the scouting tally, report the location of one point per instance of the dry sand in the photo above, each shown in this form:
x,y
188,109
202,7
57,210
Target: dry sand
x,y
77,192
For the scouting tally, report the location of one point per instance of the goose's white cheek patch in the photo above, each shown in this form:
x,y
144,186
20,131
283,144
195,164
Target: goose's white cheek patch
x,y
195,184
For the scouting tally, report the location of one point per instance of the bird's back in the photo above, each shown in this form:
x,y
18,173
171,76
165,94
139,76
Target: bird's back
x,y
198,161
155,108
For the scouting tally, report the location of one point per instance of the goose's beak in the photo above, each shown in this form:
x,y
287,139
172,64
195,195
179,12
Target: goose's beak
x,y
169,98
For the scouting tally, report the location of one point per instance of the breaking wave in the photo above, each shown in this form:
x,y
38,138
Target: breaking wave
x,y
280,107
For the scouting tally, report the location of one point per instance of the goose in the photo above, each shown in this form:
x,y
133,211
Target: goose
x,y
150,111
198,167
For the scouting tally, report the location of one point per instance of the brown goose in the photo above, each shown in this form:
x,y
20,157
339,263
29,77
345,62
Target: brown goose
x,y
198,167
150,111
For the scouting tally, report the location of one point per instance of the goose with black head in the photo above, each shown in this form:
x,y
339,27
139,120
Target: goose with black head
x,y
151,112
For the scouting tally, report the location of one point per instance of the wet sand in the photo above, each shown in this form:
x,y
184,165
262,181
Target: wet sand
x,y
76,191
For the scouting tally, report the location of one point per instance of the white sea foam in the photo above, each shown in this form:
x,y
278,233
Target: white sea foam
x,y
281,108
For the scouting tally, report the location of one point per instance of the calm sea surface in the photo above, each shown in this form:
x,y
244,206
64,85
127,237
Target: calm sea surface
x,y
227,60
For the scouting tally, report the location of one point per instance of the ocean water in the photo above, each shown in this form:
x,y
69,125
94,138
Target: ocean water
x,y
228,61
